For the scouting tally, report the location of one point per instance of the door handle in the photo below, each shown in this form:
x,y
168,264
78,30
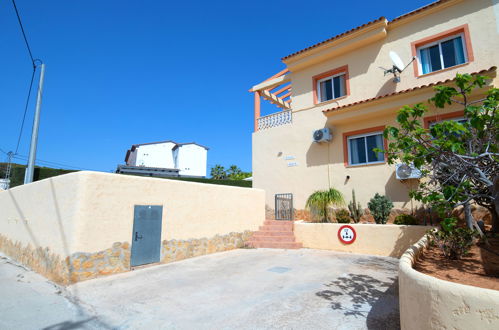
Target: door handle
x,y
137,237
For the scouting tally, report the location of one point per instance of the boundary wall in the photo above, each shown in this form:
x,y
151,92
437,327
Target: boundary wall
x,y
79,225
375,239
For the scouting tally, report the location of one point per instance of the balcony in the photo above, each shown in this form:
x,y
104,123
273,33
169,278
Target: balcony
x,y
274,120
277,91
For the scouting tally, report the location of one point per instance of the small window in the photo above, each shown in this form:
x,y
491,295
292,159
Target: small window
x,y
442,54
331,87
360,149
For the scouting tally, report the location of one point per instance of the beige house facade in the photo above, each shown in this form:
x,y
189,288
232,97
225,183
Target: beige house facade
x,y
340,84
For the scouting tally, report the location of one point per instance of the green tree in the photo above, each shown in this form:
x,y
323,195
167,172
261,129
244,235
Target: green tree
x,y
459,161
320,200
218,172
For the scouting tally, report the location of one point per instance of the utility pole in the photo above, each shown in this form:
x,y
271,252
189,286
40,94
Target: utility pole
x,y
28,177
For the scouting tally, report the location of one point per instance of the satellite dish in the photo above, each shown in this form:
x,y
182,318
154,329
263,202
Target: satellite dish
x,y
397,62
398,66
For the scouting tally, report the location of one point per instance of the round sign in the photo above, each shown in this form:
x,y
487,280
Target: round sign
x,y
346,234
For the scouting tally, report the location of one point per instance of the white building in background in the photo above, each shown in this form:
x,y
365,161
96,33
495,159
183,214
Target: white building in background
x,y
166,158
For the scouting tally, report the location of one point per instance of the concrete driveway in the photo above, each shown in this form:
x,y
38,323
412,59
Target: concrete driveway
x,y
247,289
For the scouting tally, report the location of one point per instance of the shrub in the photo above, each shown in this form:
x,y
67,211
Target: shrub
x,y
343,216
405,219
320,200
453,242
380,207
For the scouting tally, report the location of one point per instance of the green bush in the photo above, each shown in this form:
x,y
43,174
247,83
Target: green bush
x,y
380,207
319,202
454,242
342,216
405,219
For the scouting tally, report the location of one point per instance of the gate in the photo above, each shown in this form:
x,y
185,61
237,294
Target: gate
x,y
146,237
284,206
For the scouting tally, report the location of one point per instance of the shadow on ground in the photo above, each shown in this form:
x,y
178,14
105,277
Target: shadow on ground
x,y
360,295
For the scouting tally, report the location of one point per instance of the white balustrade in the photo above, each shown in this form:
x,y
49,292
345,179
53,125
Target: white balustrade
x,y
275,119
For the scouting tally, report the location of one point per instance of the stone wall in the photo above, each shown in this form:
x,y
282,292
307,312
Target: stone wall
x,y
116,259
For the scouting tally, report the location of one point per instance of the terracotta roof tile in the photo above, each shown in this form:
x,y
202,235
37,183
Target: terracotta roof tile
x,y
334,38
433,4
403,91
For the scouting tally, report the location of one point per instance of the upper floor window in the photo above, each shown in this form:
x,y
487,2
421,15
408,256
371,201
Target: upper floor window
x,y
442,51
331,85
442,54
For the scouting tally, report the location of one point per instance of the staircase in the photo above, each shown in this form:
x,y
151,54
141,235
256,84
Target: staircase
x,y
275,234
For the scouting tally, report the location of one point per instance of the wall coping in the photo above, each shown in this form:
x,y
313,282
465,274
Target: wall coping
x,y
407,261
302,222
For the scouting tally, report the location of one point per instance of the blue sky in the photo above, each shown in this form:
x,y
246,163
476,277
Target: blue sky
x,y
125,72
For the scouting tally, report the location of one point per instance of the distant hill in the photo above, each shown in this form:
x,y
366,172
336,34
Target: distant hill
x,y
18,170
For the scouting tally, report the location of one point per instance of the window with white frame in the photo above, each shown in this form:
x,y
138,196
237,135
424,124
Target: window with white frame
x,y
360,149
331,87
442,54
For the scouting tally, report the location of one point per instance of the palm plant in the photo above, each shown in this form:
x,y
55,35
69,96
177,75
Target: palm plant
x,y
320,200
218,172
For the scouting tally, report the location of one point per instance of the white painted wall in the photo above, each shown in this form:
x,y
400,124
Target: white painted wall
x,y
155,155
191,160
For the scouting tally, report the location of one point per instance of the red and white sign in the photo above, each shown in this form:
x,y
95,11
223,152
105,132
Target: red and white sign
x,y
346,234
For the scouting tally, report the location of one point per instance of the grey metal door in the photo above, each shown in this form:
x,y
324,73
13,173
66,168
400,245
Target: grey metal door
x,y
284,206
146,236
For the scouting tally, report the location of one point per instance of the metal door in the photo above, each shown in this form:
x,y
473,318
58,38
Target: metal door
x,y
284,206
146,239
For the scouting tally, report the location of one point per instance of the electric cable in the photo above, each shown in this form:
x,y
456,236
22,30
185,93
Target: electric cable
x,y
25,109
24,34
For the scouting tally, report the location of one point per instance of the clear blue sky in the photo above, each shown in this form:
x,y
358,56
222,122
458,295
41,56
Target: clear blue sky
x,y
125,72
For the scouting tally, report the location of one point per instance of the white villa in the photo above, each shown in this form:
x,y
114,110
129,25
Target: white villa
x,y
166,158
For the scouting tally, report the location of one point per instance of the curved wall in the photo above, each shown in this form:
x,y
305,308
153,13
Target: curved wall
x,y
430,303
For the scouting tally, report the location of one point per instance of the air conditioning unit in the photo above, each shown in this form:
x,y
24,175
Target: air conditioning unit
x,y
404,172
322,135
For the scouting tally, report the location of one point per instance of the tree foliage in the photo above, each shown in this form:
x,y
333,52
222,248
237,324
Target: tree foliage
x,y
458,160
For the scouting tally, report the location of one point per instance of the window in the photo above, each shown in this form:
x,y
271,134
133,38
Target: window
x,y
442,54
442,51
360,149
331,87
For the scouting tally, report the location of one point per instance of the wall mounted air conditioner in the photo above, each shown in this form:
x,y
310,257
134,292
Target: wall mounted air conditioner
x,y
404,172
322,135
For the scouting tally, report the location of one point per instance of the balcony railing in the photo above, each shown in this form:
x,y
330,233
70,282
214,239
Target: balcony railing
x,y
275,119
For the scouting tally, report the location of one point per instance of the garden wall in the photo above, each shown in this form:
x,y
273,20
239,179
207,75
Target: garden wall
x,y
427,302
383,240
79,225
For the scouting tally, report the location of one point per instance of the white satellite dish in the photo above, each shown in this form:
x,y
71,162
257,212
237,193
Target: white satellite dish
x,y
397,67
397,62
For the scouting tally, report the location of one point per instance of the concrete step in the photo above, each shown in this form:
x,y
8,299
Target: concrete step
x,y
276,228
276,245
277,222
273,233
272,239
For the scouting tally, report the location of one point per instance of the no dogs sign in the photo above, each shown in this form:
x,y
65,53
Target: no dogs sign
x,y
346,234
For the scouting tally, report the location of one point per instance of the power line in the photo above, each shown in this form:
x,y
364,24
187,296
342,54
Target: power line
x,y
25,109
41,161
24,34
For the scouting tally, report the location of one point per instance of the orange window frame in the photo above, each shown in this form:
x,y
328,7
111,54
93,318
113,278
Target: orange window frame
x,y
346,135
462,29
316,78
427,121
